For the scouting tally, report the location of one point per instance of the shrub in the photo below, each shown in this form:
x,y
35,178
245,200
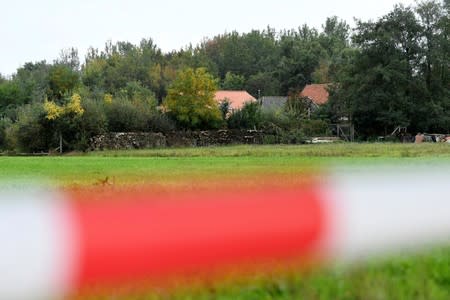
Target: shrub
x,y
276,121
29,133
93,122
5,123
314,127
158,122
294,136
124,116
248,117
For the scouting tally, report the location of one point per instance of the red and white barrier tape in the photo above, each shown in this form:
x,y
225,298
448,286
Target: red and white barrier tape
x,y
51,248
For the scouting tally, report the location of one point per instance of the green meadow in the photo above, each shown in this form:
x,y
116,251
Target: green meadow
x,y
424,275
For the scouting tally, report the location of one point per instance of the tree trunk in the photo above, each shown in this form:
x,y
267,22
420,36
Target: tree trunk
x,y
60,143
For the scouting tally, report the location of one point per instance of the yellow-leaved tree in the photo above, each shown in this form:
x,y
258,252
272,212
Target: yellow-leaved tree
x,y
190,100
63,116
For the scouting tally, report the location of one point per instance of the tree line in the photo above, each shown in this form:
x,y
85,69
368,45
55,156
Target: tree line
x,y
390,72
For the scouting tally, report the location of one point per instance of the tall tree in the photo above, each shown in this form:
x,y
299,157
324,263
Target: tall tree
x,y
396,77
190,99
62,81
434,66
300,56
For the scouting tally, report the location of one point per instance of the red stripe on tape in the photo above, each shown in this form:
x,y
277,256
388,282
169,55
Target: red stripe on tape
x,y
151,236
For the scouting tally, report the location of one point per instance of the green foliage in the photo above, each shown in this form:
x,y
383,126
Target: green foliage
x,y
297,107
392,71
277,121
248,117
136,114
315,128
399,75
190,99
263,84
4,124
118,64
335,36
242,54
293,136
224,107
124,116
69,57
137,93
10,95
233,82
64,121
300,56
62,81
30,132
93,122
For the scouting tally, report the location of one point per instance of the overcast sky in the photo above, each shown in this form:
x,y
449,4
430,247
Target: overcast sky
x,y
37,30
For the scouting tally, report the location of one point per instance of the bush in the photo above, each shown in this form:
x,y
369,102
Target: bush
x,y
5,123
29,133
93,122
124,116
277,121
159,122
139,115
314,127
269,139
248,117
137,93
294,136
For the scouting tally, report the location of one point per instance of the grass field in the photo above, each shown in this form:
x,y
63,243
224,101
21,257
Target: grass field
x,y
421,276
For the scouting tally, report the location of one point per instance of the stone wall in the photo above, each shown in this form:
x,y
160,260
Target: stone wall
x,y
142,140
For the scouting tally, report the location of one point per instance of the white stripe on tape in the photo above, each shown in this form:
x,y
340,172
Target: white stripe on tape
x,y
35,254
389,211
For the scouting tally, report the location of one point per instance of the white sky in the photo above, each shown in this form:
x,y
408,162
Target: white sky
x,y
34,30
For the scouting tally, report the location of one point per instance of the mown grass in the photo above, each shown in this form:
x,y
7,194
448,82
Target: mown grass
x,y
422,276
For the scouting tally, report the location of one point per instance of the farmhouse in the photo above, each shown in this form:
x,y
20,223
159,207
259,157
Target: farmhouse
x,y
317,93
237,99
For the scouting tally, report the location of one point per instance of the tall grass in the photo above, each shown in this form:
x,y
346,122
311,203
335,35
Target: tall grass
x,y
319,150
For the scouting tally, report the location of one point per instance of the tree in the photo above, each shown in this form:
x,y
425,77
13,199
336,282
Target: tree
x,y
64,118
434,66
233,82
33,81
300,56
263,84
377,85
335,36
10,94
62,80
69,57
190,99
398,73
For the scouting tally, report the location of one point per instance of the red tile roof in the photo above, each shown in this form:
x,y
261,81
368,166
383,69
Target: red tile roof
x,y
236,98
316,92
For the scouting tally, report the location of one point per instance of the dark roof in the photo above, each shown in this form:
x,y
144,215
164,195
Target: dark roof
x,y
272,102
